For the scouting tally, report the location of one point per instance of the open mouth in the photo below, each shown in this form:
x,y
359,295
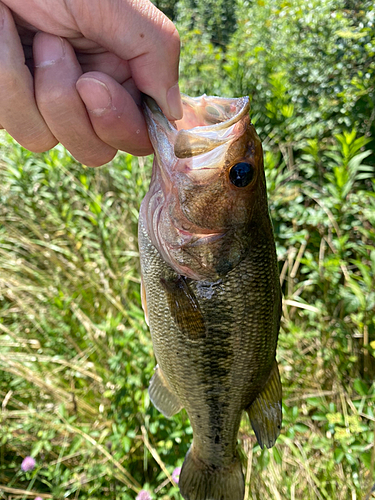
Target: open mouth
x,y
217,112
208,122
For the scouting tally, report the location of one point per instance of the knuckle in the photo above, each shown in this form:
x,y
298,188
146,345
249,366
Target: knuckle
x,y
39,145
97,161
166,31
43,148
56,95
92,153
171,36
9,82
174,42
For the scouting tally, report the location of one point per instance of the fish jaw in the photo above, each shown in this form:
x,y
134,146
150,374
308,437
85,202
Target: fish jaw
x,y
198,221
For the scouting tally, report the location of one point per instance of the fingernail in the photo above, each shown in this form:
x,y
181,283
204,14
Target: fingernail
x,y
95,95
49,52
174,102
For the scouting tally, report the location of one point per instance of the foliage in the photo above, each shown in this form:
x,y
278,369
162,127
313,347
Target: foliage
x,y
76,356
309,68
72,334
216,18
75,353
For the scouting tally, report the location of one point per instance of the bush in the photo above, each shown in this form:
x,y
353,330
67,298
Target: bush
x,y
76,356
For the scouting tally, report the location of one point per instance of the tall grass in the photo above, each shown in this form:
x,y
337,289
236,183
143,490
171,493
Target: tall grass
x,y
76,356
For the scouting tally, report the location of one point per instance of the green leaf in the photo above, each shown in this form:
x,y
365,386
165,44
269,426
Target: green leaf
x,y
339,455
360,387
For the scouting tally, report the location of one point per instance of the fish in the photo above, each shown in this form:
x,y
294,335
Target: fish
x,y
210,287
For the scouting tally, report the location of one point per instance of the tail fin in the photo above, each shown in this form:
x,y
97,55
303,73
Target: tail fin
x,y
199,481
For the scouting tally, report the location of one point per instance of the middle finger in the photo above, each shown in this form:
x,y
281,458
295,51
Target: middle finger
x,y
56,73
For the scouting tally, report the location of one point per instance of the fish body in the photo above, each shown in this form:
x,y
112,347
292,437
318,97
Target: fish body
x,y
210,287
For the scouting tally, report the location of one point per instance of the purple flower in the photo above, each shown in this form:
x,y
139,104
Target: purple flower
x,y
38,498
143,495
176,474
28,464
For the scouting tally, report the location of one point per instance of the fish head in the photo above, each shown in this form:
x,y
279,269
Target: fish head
x,y
207,188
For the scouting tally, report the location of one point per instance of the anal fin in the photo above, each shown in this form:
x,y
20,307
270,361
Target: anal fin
x,y
265,412
162,396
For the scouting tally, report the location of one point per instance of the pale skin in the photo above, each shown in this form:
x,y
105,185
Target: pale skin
x,y
87,62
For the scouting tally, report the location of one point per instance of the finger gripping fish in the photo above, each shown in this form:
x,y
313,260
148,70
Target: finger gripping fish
x,y
210,287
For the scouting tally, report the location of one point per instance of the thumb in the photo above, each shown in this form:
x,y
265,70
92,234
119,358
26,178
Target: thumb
x,y
136,31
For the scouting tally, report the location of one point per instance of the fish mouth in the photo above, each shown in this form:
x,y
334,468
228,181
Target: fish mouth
x,y
211,113
207,122
207,113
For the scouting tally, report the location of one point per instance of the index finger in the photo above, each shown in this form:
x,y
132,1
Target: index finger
x,y
141,34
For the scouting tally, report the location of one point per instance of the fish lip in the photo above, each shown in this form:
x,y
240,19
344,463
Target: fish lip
x,y
152,111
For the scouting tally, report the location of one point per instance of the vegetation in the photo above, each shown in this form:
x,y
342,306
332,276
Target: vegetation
x,y
75,353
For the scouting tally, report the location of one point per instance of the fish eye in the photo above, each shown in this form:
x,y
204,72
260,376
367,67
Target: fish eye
x,y
241,174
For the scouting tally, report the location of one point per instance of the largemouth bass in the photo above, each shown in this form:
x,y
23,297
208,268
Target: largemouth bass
x,y
210,287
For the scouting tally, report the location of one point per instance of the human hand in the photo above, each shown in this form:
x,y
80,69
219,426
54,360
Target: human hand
x,y
86,67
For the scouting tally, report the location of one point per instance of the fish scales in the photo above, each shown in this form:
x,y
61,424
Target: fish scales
x,y
238,342
220,366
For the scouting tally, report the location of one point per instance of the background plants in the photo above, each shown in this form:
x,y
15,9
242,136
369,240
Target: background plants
x,y
75,353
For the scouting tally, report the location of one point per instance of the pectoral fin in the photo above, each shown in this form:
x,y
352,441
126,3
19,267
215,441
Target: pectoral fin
x,y
162,396
265,412
184,308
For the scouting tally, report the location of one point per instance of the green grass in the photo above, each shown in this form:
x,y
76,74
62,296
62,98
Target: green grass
x,y
76,355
